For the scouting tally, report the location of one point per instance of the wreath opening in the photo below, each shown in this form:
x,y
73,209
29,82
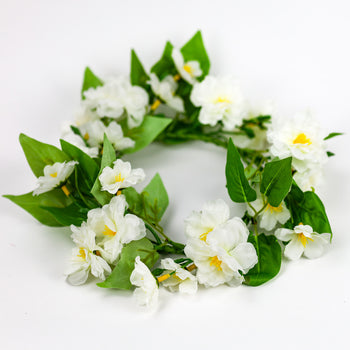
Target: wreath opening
x,y
273,167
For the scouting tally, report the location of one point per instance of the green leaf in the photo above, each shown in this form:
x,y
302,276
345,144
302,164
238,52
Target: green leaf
x,y
40,154
151,203
108,157
194,50
165,65
147,132
308,210
269,260
71,215
330,154
276,180
333,134
120,276
34,205
155,198
87,168
138,75
90,81
237,184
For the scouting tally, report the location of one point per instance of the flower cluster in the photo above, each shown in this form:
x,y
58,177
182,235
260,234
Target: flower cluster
x,y
273,167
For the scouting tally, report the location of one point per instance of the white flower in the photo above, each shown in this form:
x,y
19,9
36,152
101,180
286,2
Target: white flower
x,y
85,115
93,133
270,216
147,292
180,280
303,241
85,258
300,138
190,70
219,246
113,229
120,176
310,178
221,100
54,175
165,90
115,97
213,214
77,141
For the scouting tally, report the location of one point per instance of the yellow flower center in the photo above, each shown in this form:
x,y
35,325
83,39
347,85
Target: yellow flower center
x,y
274,209
204,235
82,253
177,77
155,105
302,139
54,174
86,136
222,100
108,232
119,178
214,261
187,68
303,239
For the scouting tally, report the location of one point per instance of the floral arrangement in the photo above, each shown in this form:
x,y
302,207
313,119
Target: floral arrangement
x,y
273,167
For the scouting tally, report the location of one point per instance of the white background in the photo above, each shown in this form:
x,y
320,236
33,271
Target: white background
x,y
294,52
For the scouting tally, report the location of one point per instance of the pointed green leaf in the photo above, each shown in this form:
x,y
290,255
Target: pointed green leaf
x,y
108,157
276,180
138,75
147,132
269,260
34,205
90,81
71,215
237,184
40,154
333,134
120,276
165,65
194,50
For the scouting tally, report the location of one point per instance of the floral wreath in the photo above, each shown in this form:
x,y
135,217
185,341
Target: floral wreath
x,y
273,166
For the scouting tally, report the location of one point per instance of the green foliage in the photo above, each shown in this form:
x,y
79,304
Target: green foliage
x,y
333,134
120,276
138,75
276,180
147,132
35,205
165,65
308,210
151,203
40,154
237,184
71,215
87,167
108,157
194,50
269,260
90,81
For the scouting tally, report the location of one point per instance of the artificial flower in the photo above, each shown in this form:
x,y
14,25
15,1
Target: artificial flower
x,y
54,175
177,278
165,90
147,292
303,241
85,257
300,138
93,133
213,214
85,115
189,70
77,141
218,246
270,215
309,179
120,176
220,99
113,228
115,97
